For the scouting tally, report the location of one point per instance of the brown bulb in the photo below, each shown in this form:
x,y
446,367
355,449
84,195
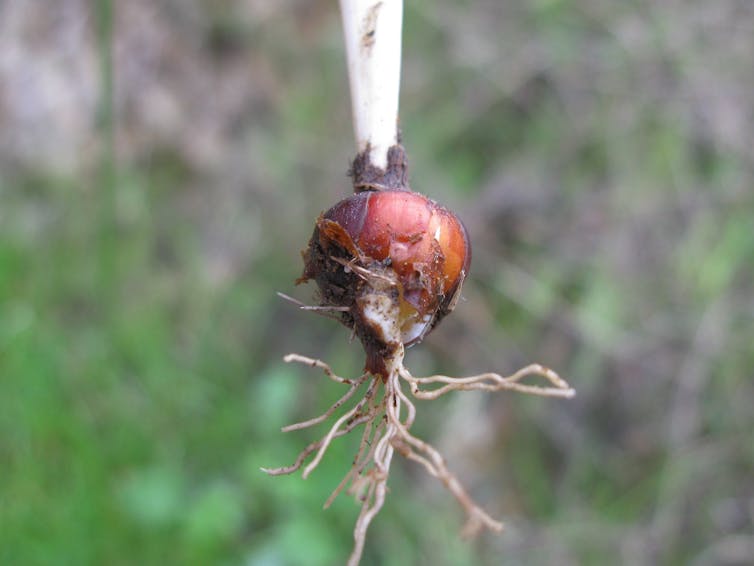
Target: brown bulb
x,y
424,244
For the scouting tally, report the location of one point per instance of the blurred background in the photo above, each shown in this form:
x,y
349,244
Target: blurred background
x,y
161,167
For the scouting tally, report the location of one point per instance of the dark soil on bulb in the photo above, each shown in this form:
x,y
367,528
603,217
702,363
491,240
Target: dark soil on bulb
x,y
345,288
367,177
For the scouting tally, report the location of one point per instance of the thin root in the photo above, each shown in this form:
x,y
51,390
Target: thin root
x,y
311,448
322,310
434,463
335,428
312,362
327,414
491,382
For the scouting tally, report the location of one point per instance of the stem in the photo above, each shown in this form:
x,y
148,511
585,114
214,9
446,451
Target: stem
x,y
372,30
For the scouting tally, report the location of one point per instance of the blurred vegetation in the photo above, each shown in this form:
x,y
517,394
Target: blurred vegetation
x,y
161,166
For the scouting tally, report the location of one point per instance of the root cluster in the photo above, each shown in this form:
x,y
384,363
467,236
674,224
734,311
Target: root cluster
x,y
387,414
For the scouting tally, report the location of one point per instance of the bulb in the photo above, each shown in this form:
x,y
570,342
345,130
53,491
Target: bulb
x,y
399,235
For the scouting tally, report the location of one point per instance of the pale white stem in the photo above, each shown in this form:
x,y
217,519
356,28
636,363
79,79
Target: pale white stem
x,y
372,30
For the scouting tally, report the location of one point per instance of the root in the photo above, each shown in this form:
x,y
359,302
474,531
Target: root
x,y
434,463
376,481
491,382
351,419
327,414
311,448
316,364
387,419
363,457
322,310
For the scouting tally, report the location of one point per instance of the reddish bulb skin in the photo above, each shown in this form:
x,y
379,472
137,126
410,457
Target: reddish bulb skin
x,y
422,242
389,253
